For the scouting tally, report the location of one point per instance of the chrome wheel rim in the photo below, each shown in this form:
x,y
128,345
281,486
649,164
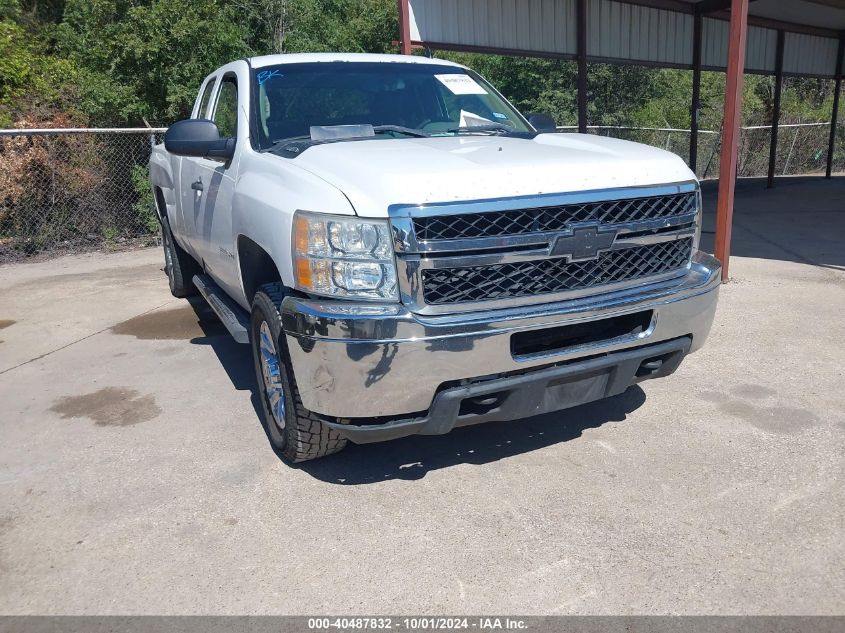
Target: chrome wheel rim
x,y
272,376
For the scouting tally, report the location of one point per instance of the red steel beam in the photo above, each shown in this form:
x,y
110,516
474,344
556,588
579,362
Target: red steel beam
x,y
404,27
730,131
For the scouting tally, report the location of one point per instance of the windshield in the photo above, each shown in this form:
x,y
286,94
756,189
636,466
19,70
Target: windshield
x,y
399,98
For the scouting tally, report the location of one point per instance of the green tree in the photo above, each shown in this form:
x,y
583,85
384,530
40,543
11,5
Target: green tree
x,y
150,57
35,86
124,62
296,26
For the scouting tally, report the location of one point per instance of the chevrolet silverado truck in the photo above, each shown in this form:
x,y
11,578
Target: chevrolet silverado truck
x,y
406,253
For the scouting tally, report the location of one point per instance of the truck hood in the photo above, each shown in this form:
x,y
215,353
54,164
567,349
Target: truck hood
x,y
376,174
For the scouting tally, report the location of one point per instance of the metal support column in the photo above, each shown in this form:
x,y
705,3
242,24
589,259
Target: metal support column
x,y
581,26
730,131
773,147
695,107
835,114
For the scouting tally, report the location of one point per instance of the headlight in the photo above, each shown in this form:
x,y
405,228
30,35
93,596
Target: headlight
x,y
341,256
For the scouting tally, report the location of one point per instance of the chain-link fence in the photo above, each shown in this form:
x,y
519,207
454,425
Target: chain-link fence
x,y
802,147
670,139
69,191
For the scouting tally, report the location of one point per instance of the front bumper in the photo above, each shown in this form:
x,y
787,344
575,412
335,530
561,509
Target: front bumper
x,y
371,360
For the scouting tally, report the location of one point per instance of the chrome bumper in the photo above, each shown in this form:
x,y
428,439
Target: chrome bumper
x,y
371,360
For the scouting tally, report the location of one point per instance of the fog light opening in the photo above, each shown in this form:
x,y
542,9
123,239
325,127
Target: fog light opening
x,y
651,366
479,405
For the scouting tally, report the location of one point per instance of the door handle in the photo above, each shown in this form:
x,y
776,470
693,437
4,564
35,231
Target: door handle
x,y
197,186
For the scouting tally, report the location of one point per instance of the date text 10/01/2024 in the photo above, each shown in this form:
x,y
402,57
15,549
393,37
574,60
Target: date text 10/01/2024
x,y
417,623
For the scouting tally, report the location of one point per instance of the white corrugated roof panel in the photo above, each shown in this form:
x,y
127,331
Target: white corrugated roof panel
x,y
809,54
537,25
618,31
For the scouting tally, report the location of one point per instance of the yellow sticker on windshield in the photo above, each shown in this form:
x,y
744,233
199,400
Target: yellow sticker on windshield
x,y
461,84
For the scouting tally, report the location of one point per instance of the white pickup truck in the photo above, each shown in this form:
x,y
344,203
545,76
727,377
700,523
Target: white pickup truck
x,y
406,253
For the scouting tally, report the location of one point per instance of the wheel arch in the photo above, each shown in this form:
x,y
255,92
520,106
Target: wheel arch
x,y
256,267
160,203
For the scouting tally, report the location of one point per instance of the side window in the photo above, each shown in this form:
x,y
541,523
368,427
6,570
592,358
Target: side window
x,y
206,97
226,112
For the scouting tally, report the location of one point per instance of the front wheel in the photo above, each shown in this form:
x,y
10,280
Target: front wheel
x,y
297,433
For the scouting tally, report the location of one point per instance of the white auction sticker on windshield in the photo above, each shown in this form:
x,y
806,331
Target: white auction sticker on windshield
x,y
461,84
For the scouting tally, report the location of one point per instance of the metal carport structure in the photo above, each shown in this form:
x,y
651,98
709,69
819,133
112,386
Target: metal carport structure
x,y
773,37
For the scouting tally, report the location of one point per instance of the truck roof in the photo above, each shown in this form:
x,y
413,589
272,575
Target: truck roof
x,y
303,58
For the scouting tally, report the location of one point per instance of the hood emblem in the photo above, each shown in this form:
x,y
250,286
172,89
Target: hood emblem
x,y
583,242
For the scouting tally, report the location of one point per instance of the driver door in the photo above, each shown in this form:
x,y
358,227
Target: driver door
x,y
215,183
188,176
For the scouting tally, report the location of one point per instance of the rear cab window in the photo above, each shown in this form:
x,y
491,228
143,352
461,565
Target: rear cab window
x,y
226,110
207,90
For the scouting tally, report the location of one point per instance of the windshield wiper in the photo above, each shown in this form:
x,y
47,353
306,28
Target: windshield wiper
x,y
400,129
489,128
281,144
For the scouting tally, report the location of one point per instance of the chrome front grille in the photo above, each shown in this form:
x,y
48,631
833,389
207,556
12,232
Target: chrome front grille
x,y
501,253
553,218
544,276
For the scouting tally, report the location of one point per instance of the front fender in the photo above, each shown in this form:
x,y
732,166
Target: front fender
x,y
269,191
160,170
161,179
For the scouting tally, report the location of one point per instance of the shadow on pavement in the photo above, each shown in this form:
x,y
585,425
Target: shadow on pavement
x,y
234,357
412,457
802,219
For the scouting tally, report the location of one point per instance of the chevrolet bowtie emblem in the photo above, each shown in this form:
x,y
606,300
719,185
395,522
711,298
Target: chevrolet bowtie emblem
x,y
583,243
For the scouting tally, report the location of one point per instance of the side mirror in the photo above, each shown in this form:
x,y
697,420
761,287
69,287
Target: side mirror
x,y
542,122
198,137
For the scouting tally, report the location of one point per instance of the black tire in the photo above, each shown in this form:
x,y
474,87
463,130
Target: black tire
x,y
304,436
179,266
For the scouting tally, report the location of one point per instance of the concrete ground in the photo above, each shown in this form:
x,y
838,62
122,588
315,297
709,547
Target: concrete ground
x,y
135,476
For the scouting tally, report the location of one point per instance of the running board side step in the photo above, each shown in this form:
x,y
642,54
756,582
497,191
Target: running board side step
x,y
233,316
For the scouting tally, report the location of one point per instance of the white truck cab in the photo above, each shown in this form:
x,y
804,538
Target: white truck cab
x,y
405,252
